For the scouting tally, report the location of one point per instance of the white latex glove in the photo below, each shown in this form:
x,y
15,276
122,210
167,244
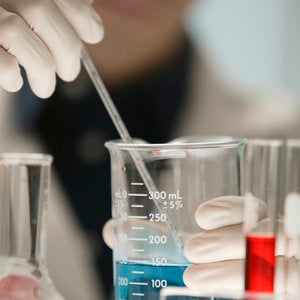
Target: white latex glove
x,y
44,36
218,252
108,233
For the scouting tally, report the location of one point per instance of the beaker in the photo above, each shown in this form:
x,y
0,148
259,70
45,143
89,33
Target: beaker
x,y
24,192
185,173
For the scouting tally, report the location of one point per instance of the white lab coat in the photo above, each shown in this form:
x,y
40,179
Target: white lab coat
x,y
211,108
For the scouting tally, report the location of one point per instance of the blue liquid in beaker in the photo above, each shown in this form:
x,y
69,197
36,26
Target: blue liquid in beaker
x,y
140,281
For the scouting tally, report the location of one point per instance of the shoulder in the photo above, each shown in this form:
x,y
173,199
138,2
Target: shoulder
x,y
214,106
274,114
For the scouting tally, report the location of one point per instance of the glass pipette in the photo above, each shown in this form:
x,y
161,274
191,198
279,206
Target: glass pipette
x,y
125,136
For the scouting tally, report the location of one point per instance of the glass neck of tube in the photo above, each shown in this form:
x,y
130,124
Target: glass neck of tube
x,y
23,200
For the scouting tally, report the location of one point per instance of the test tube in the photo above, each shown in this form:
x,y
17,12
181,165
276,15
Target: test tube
x,y
291,217
263,163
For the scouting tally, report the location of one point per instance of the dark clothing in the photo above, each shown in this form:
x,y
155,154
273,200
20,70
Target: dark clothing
x,y
73,129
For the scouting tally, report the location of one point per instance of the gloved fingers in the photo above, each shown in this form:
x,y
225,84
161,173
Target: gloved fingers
x,y
12,80
228,243
216,245
139,232
136,228
20,41
78,13
223,275
59,26
61,40
219,212
83,18
49,24
224,211
108,233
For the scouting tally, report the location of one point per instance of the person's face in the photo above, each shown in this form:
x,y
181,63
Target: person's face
x,y
137,32
134,10
136,16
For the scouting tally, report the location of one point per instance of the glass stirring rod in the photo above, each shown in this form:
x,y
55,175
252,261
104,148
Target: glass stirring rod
x,y
125,136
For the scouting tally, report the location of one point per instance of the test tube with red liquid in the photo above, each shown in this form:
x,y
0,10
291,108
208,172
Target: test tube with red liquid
x,y
260,213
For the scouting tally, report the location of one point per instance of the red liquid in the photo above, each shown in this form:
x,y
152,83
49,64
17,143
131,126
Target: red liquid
x,y
260,262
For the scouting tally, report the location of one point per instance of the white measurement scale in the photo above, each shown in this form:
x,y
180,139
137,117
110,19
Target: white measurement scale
x,y
142,269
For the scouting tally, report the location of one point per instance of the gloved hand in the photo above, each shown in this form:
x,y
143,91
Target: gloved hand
x,y
44,36
18,287
218,252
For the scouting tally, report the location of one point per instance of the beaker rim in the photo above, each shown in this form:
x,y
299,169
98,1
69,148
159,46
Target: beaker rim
x,y
190,142
293,142
266,142
15,158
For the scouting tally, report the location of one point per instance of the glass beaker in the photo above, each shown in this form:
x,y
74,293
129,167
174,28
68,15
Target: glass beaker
x,y
184,174
24,192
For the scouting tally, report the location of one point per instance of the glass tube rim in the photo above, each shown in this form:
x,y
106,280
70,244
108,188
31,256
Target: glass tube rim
x,y
20,158
180,143
293,143
265,142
